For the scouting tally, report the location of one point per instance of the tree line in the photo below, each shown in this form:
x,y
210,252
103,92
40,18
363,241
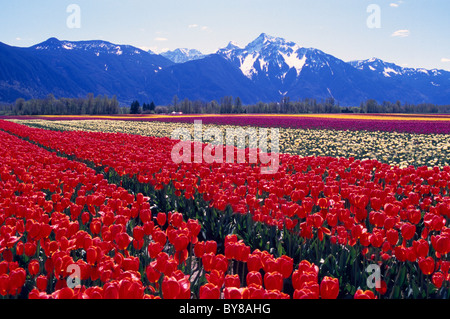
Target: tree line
x,y
96,105
50,105
230,105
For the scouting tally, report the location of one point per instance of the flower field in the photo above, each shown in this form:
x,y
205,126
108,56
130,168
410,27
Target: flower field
x,y
394,148
100,210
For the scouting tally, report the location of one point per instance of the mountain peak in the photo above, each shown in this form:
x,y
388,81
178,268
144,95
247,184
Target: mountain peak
x,y
262,41
50,43
182,55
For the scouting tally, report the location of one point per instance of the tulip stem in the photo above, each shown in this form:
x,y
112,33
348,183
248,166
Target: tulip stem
x,y
243,273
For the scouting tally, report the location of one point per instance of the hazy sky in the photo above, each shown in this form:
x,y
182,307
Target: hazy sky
x,y
413,33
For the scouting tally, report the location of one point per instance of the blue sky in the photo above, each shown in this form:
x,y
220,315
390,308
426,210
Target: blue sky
x,y
413,33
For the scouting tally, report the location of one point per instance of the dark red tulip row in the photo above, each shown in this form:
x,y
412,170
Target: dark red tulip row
x,y
391,215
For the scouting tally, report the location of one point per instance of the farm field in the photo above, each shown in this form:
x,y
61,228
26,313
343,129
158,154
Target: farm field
x,y
95,207
392,147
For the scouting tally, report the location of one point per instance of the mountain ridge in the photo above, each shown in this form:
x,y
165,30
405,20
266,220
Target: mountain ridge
x,y
265,70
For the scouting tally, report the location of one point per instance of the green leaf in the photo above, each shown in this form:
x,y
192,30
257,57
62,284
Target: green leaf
x,y
402,276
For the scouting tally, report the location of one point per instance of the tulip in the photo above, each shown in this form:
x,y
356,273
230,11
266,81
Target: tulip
x,y
211,247
254,262
170,288
273,281
41,283
161,218
111,290
154,248
4,284
232,281
29,249
329,288
285,266
392,237
199,249
33,267
64,293
209,291
152,273
367,294
180,242
254,277
215,277
438,279
236,293
408,231
427,265
138,233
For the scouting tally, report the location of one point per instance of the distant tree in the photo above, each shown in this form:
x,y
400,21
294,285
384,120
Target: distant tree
x,y
135,108
175,102
238,108
152,106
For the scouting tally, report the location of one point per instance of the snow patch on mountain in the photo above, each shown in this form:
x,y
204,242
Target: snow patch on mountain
x,y
293,61
247,65
183,55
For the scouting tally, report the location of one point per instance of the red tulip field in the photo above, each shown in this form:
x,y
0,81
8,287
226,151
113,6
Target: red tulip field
x,y
98,215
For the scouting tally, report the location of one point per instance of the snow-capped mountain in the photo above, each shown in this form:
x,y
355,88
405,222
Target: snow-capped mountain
x,y
392,70
183,55
96,47
288,69
267,69
430,83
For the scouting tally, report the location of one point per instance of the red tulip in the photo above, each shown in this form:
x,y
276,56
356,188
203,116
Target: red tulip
x,y
170,288
33,267
221,263
306,293
17,280
138,233
180,242
4,284
215,277
421,248
161,218
210,247
111,290
64,293
426,265
152,273
273,281
367,294
29,249
199,249
91,255
232,281
154,249
285,266
236,293
41,283
209,291
392,237
438,279
254,262
159,236
408,231
329,288
254,277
